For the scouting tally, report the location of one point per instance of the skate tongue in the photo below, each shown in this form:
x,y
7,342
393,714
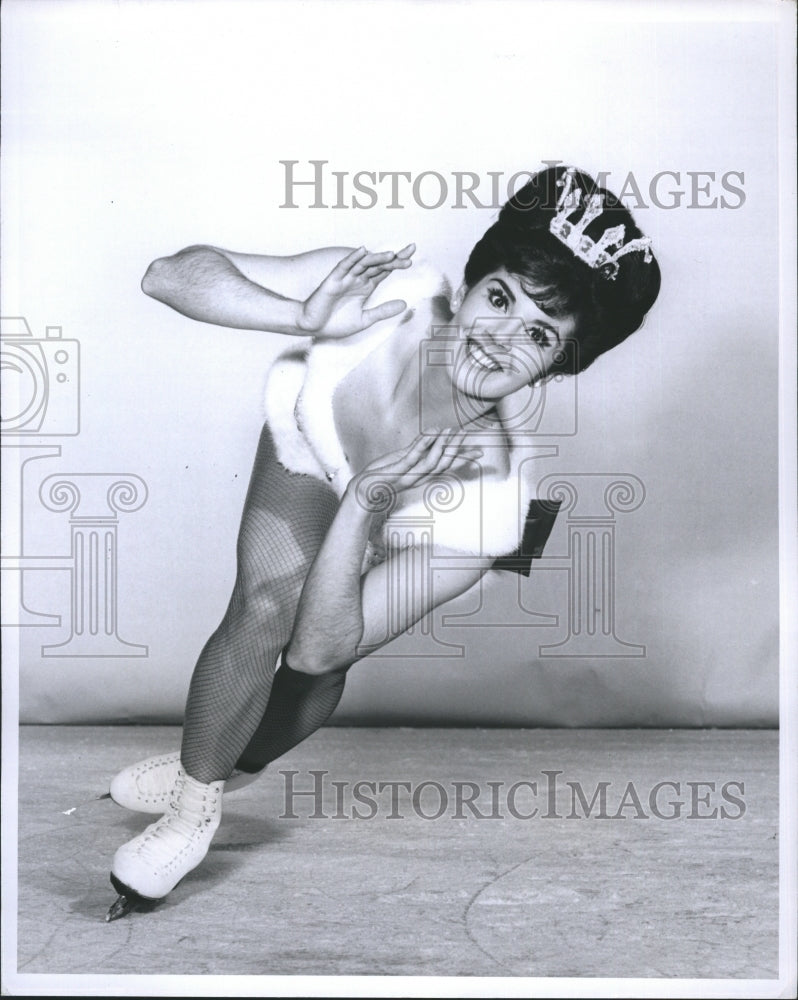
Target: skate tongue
x,y
194,805
193,802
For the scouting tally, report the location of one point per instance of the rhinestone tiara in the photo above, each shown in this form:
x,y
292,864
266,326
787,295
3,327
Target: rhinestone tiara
x,y
594,253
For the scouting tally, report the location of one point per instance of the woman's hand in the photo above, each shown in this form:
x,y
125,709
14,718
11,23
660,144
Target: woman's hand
x,y
431,454
345,613
337,307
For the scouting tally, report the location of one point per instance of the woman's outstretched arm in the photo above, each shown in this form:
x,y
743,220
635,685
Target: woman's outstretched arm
x,y
344,615
321,294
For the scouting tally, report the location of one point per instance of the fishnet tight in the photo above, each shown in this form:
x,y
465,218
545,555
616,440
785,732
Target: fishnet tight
x,y
237,712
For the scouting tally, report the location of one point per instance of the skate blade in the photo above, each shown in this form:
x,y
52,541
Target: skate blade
x,y
120,908
127,901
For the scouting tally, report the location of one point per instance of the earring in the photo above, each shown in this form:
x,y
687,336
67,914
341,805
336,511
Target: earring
x,y
457,298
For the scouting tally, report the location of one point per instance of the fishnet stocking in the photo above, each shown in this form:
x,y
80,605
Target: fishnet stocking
x,y
285,519
299,704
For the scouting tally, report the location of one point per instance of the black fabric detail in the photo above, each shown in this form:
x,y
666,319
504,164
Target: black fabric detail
x,y
539,522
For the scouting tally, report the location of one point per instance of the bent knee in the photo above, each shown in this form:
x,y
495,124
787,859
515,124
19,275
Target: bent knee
x,y
263,616
314,665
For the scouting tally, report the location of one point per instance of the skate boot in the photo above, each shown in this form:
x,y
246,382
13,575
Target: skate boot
x,y
147,786
148,867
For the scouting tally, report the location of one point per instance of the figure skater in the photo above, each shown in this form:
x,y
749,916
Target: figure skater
x,y
359,429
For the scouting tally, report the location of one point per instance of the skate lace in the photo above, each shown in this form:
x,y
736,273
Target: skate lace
x,y
193,812
154,780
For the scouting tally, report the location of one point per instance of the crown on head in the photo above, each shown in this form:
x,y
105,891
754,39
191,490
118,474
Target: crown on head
x,y
594,253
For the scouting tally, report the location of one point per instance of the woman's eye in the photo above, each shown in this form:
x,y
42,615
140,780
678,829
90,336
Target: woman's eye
x,y
497,298
539,335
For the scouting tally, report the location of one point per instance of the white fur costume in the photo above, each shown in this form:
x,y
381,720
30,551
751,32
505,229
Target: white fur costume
x,y
483,515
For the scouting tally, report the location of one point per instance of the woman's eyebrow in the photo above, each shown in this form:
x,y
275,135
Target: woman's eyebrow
x,y
506,288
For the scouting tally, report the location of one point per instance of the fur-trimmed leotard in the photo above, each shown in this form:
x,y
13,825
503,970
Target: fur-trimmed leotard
x,y
483,515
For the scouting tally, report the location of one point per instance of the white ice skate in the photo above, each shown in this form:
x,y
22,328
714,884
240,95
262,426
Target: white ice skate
x,y
147,785
149,866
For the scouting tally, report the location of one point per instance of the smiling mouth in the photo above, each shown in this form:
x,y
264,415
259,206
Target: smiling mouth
x,y
480,357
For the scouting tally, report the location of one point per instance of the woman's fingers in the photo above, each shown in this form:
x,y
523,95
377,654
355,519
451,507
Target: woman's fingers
x,y
431,453
372,260
388,260
346,264
416,452
379,272
361,260
453,449
450,453
360,272
436,451
393,308
377,277
444,450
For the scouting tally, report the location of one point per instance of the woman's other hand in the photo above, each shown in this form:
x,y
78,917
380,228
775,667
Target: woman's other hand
x,y
430,455
345,613
337,308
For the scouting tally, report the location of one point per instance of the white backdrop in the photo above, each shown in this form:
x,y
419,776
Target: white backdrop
x,y
133,129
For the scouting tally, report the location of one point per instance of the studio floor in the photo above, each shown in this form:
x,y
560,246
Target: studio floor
x,y
469,853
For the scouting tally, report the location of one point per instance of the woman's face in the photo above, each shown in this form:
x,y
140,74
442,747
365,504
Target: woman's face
x,y
506,340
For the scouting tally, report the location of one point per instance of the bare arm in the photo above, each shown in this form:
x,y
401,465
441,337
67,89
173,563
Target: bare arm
x,y
342,615
320,294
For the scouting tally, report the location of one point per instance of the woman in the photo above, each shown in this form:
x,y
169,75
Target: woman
x,y
359,429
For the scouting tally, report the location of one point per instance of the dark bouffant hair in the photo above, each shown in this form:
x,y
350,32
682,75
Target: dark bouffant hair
x,y
607,310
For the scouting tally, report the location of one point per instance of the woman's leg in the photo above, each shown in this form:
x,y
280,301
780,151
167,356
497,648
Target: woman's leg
x,y
298,705
285,519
